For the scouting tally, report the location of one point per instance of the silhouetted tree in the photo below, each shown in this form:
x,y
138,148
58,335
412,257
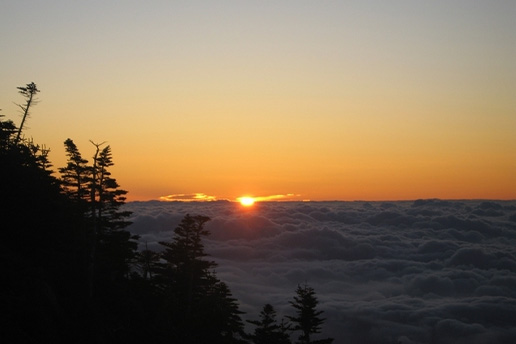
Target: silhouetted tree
x,y
146,262
215,316
184,256
7,131
267,330
307,318
29,92
202,306
116,245
99,198
75,177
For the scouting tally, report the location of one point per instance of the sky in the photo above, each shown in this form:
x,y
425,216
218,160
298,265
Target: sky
x,y
318,100
412,272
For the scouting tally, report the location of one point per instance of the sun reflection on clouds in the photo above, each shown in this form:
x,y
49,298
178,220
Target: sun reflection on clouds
x,y
246,200
287,197
202,197
199,196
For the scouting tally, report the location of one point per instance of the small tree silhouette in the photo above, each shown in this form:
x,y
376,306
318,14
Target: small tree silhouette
x,y
307,320
146,262
267,330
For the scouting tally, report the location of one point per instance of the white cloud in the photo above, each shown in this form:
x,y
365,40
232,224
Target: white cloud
x,y
409,272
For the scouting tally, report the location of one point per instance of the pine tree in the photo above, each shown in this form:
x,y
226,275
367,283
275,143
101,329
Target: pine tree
x,y
116,246
219,316
146,262
7,130
29,92
202,308
185,267
75,177
111,249
267,330
307,319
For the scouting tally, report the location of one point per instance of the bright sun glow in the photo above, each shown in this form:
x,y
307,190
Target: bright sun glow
x,y
246,201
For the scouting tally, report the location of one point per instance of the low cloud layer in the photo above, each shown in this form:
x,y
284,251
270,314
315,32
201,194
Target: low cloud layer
x,y
428,271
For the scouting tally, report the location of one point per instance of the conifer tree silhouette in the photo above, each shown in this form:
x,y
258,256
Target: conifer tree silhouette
x,y
75,176
29,92
307,318
267,330
203,308
99,198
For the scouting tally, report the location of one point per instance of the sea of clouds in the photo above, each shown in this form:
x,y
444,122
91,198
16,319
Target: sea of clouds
x,y
425,271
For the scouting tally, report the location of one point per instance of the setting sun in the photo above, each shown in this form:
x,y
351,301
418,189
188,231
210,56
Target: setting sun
x,y
246,201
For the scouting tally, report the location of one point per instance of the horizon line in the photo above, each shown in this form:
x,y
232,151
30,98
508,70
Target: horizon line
x,y
325,200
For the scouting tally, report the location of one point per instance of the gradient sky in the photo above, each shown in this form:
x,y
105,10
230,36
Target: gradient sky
x,y
323,100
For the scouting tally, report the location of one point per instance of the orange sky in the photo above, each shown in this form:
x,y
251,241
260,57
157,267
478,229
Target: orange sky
x,y
321,100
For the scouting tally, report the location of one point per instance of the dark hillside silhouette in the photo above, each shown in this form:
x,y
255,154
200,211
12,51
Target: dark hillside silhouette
x,y
47,244
41,243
